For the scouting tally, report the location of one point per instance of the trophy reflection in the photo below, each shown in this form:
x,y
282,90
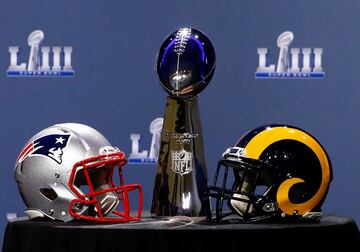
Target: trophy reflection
x,y
185,66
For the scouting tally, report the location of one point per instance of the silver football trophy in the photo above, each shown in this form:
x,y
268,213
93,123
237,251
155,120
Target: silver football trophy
x,y
283,42
155,130
185,66
34,40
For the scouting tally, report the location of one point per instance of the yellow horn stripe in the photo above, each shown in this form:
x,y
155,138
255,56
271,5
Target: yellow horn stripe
x,y
284,198
262,140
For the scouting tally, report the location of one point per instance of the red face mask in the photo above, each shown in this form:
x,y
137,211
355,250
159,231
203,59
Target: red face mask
x,y
100,198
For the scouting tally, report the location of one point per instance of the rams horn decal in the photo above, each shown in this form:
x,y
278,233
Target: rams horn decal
x,y
265,138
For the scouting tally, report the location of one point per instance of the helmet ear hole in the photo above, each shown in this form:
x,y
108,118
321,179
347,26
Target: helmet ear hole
x,y
20,168
49,193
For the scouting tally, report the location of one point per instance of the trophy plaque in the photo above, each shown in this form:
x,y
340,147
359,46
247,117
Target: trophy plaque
x,y
185,66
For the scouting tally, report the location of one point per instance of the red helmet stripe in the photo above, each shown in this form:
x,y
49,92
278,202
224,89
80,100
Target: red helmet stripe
x,y
26,151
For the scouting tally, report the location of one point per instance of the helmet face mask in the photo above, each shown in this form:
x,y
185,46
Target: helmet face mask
x,y
277,171
102,195
241,197
65,172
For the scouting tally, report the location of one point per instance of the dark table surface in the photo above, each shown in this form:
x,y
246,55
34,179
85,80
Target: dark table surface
x,y
181,234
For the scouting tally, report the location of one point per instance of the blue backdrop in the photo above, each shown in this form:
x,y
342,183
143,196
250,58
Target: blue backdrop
x,y
115,88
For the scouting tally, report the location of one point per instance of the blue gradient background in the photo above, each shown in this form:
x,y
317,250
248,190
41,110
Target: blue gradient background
x,y
116,90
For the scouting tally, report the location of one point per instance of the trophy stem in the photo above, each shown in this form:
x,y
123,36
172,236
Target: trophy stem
x,y
181,175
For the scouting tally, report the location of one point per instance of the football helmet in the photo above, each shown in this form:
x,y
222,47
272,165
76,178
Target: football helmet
x,y
280,171
65,172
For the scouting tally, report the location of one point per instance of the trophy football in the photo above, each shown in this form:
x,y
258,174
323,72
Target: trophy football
x,y
185,66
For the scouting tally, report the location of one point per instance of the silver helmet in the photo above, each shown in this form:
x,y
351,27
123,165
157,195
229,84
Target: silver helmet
x,y
65,172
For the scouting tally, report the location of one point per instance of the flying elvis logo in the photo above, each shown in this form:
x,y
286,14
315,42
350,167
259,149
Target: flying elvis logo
x,y
50,146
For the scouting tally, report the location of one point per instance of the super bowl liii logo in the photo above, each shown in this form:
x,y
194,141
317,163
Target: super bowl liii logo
x,y
144,157
288,65
40,59
181,162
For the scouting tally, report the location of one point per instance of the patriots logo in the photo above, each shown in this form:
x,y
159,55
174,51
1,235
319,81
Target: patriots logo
x,y
50,146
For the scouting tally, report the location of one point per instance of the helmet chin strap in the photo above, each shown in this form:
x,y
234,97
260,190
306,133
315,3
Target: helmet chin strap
x,y
108,201
241,206
240,201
